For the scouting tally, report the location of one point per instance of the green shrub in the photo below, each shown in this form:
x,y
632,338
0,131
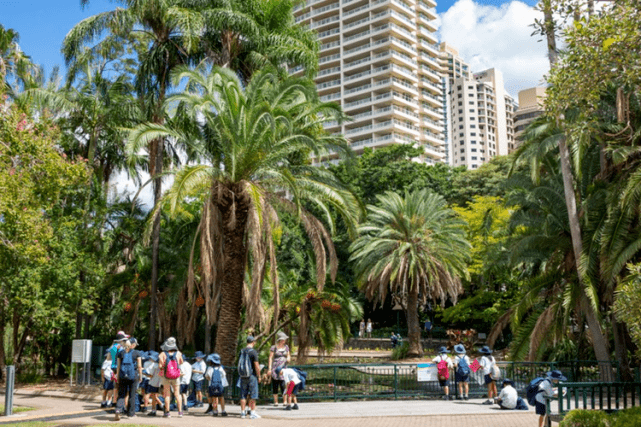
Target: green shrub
x,y
400,352
627,418
585,418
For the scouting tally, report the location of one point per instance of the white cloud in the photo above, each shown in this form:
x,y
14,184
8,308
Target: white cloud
x,y
497,37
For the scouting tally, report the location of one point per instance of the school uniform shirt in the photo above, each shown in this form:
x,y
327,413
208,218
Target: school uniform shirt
x,y
199,365
146,368
458,358
185,373
106,370
508,397
487,363
154,371
545,390
210,373
290,375
446,358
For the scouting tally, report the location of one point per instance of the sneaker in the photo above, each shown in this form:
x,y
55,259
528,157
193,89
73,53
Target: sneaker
x,y
185,408
132,416
242,414
223,414
288,408
487,402
117,417
466,398
143,409
151,414
446,397
214,414
180,414
295,406
254,416
166,415
103,405
199,405
276,404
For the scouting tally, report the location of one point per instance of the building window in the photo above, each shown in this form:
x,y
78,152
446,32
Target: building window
x,y
472,133
474,150
462,158
460,103
472,118
473,126
471,110
471,95
471,102
473,141
461,134
474,166
460,111
474,158
459,87
460,126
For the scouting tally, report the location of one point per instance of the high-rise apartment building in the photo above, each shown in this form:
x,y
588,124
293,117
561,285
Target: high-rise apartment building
x,y
453,68
530,107
482,119
379,60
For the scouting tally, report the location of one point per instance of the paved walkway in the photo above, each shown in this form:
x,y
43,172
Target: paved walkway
x,y
75,410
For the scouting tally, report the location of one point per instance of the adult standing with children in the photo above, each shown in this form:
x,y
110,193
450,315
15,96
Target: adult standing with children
x,y
169,362
129,372
279,357
249,372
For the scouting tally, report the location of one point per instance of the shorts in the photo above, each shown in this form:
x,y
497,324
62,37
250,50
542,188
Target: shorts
x,y
167,384
540,408
184,388
143,384
488,380
462,378
214,393
152,389
444,383
277,386
108,385
198,385
249,388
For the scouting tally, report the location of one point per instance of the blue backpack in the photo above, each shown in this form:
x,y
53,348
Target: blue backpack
x,y
463,368
245,369
216,384
127,370
533,389
303,378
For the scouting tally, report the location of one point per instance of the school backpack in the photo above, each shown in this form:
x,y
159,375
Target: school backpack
x,y
463,369
172,371
495,372
216,384
533,389
443,370
303,378
245,369
127,370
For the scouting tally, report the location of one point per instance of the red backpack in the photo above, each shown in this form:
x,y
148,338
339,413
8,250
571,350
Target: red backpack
x,y
172,371
443,370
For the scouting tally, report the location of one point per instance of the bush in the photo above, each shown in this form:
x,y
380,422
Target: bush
x,y
585,418
627,418
400,352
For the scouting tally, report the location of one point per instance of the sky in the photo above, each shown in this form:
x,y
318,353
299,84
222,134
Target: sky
x,y
487,34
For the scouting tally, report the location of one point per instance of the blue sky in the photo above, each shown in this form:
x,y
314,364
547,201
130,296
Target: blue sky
x,y
43,24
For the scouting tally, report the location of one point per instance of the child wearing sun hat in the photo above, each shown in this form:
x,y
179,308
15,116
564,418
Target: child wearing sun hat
x,y
462,364
444,382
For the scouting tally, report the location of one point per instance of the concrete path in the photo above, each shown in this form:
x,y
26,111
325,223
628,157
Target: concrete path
x,y
67,410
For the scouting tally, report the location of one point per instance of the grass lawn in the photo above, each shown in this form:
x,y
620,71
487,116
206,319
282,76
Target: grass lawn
x,y
51,424
16,409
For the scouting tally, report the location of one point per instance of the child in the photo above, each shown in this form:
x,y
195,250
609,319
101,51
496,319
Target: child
x,y
153,373
292,382
444,381
198,371
185,379
462,374
509,398
546,391
106,377
487,363
217,380
144,381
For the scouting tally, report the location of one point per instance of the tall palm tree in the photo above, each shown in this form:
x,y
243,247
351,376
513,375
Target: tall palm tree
x,y
248,141
413,245
15,66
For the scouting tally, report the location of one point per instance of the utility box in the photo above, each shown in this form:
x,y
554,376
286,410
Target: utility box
x,y
81,356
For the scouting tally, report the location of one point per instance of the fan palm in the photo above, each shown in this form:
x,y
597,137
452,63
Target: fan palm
x,y
413,245
248,141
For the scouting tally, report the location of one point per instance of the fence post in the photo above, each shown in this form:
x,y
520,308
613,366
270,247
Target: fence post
x,y
335,384
395,381
8,397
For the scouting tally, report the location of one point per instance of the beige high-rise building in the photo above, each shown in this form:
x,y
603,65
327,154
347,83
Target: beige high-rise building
x,y
379,60
530,107
453,68
482,119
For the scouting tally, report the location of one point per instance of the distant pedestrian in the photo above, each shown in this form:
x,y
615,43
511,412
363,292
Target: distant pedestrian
x,y
443,366
487,363
428,329
129,372
279,357
369,328
198,375
361,329
217,383
249,372
462,373
394,340
509,397
546,391
169,362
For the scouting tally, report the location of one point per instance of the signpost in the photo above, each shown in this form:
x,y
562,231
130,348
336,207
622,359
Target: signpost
x,y
81,356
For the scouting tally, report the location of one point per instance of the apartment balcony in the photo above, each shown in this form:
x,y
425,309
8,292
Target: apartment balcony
x,y
430,73
360,103
325,10
325,22
327,85
329,46
431,86
357,63
355,37
331,97
349,93
329,71
434,151
329,59
355,50
433,138
328,33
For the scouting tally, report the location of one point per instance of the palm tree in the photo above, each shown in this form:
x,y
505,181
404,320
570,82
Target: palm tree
x,y
415,246
15,66
248,142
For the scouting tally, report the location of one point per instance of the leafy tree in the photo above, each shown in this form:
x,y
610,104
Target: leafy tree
x,y
413,245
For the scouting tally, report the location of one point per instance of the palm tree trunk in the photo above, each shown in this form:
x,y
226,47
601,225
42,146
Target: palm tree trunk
x,y
234,208
549,28
155,246
413,328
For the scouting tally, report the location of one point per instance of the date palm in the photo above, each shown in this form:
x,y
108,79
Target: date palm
x,y
413,245
248,142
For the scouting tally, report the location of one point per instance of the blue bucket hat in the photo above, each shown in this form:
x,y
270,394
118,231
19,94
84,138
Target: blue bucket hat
x,y
277,370
199,355
556,375
153,355
459,348
508,381
485,350
214,358
442,350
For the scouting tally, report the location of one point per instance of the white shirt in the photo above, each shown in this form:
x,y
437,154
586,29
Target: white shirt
x,y
546,390
487,363
185,373
154,371
444,357
369,326
106,369
198,366
290,375
508,397
223,377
